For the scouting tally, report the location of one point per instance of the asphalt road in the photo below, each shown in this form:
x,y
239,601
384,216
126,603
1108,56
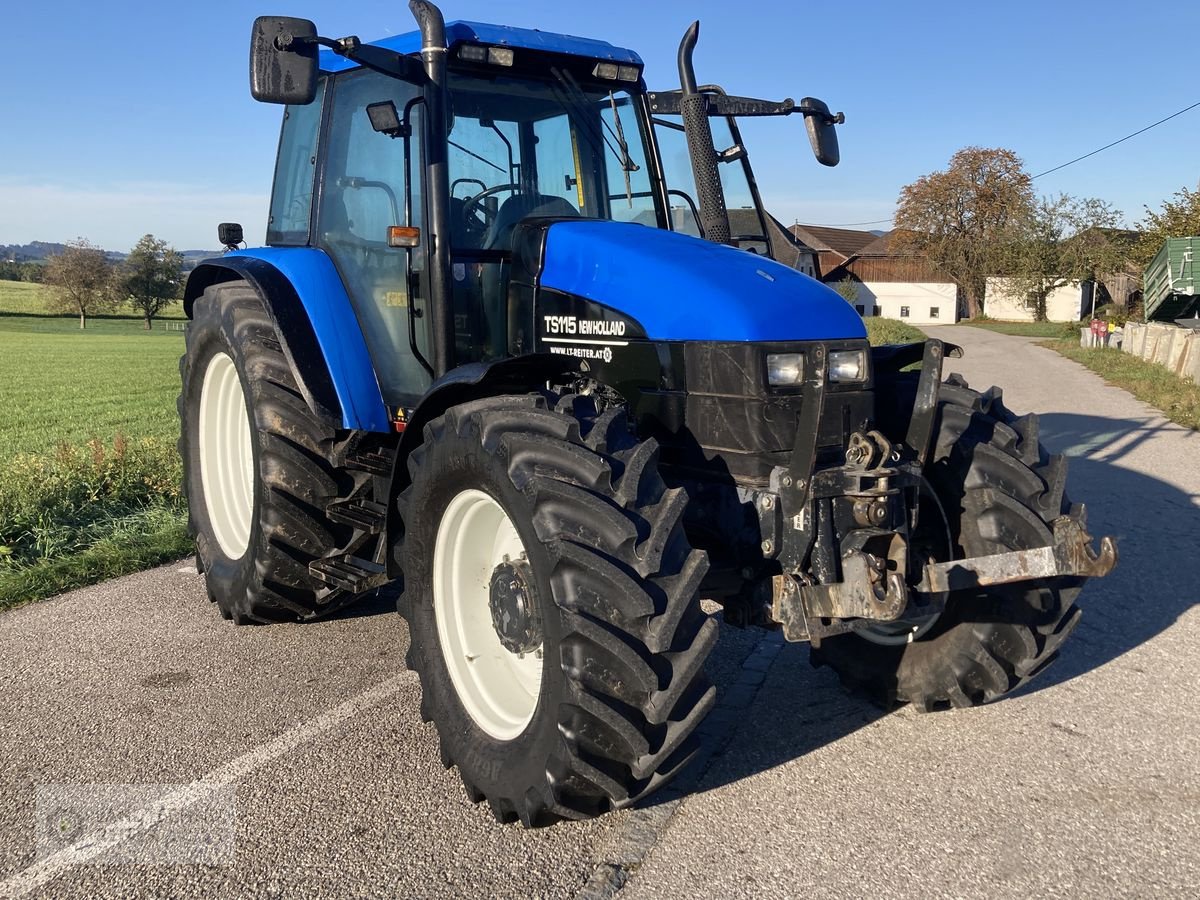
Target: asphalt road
x,y
305,746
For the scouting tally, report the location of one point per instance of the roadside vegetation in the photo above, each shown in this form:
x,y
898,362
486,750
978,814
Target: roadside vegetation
x,y
89,474
890,331
1177,398
1027,329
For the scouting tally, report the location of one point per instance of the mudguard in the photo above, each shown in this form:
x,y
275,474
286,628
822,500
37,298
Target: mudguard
x,y
317,328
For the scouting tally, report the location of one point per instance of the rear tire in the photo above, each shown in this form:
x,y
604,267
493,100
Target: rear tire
x,y
1000,492
608,713
256,464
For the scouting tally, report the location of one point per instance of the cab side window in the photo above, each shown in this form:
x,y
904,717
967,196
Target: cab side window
x,y
295,171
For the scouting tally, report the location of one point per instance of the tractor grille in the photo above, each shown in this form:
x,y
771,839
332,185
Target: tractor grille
x,y
727,421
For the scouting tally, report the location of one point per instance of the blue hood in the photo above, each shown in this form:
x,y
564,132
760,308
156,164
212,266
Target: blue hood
x,y
681,288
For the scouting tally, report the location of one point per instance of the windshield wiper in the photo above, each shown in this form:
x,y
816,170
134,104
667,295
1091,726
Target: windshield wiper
x,y
476,155
628,165
574,99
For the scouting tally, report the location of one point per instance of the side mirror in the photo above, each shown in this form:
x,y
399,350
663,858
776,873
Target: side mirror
x,y
230,234
283,60
820,123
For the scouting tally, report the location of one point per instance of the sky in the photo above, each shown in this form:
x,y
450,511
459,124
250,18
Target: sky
x,y
122,118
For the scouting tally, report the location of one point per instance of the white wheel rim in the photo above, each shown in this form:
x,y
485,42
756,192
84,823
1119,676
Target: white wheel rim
x,y
498,688
226,456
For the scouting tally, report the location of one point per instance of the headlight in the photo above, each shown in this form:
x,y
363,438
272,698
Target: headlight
x,y
847,365
785,369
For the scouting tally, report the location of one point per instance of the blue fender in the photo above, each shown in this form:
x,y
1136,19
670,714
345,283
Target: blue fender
x,y
681,288
318,329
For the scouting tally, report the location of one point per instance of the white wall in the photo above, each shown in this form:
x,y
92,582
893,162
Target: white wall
x,y
806,262
1000,302
926,303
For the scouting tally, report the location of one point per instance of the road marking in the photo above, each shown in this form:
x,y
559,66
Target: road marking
x,y
101,840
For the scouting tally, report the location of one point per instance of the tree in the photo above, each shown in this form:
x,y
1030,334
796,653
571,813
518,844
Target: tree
x,y
1179,217
150,277
847,289
1064,240
82,278
963,218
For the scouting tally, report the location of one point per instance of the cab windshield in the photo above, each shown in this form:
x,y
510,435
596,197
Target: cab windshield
x,y
522,147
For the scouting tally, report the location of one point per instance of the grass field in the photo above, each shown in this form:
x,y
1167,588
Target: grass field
x,y
18,298
1026,329
69,386
1176,398
89,474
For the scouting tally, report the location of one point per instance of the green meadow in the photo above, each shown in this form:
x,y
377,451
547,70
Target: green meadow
x,y
89,473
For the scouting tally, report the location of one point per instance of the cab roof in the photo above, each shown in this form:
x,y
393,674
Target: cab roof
x,y
501,35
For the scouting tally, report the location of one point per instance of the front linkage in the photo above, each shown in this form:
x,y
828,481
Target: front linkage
x,y
843,535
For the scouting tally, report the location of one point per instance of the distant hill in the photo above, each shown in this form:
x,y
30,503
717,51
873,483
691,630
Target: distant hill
x,y
39,251
35,251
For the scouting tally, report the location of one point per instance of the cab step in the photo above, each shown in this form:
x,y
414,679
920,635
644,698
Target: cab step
x,y
359,512
349,573
375,462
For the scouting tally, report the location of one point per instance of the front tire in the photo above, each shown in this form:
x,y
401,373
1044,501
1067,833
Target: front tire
x,y
583,693
999,492
257,473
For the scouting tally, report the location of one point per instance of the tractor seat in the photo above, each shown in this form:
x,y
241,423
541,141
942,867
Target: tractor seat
x,y
523,206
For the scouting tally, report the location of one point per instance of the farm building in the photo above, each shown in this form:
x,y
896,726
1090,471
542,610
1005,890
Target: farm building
x,y
1063,304
892,284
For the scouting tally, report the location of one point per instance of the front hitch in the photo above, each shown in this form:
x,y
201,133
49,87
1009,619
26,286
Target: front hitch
x,y
837,578
868,592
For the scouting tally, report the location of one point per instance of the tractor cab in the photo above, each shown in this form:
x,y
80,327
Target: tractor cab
x,y
536,126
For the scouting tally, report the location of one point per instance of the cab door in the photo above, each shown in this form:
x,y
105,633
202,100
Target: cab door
x,y
366,188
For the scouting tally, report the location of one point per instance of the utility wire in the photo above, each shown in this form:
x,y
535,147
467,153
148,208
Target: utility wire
x,y
1122,140
1048,171
842,224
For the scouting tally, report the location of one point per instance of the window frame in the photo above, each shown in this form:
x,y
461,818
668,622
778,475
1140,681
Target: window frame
x,y
274,237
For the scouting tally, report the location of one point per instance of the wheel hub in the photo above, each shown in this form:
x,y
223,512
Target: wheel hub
x,y
514,613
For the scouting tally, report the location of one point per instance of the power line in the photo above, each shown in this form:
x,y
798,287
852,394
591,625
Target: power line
x,y
840,225
1114,143
1040,174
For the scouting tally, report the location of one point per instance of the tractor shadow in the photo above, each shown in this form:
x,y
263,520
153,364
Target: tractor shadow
x,y
800,710
377,603
1155,524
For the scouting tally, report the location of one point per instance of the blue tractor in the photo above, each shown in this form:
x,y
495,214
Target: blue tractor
x,y
518,342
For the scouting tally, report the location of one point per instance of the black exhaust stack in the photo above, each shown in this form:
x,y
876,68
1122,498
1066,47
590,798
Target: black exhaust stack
x,y
714,217
433,55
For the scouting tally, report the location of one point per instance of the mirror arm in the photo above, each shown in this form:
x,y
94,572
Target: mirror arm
x,y
406,68
827,118
669,103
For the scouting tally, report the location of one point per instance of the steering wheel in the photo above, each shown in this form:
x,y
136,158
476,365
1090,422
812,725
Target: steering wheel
x,y
478,216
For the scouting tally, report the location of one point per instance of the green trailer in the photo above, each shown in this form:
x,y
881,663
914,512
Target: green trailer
x,y
1171,288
